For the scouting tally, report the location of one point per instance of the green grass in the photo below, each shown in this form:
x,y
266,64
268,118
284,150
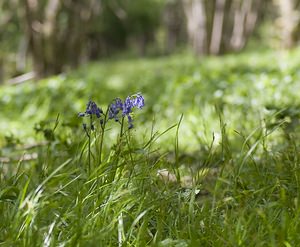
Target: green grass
x,y
235,155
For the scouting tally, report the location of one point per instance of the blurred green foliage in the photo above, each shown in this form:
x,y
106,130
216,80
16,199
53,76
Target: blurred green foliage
x,y
250,86
121,22
10,26
11,38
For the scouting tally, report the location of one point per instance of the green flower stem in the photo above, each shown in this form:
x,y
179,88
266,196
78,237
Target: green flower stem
x,y
102,134
89,136
131,158
118,150
122,128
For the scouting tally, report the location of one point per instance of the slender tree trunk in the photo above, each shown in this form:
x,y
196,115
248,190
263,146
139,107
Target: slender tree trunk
x,y
21,55
34,34
1,71
238,39
53,63
217,28
252,16
173,24
196,25
288,22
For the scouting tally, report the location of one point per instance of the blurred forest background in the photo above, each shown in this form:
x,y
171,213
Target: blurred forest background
x,y
39,38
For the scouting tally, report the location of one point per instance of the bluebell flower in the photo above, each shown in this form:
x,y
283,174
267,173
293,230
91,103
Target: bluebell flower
x,y
118,107
115,108
91,109
138,101
119,103
127,106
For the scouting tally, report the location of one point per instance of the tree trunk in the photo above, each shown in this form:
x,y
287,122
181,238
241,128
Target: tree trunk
x,y
217,28
173,25
238,39
288,22
33,32
252,17
1,71
196,25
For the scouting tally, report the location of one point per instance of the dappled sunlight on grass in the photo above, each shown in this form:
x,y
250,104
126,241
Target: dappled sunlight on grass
x,y
213,156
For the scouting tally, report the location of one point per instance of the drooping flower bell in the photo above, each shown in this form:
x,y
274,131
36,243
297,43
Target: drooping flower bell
x,y
115,108
138,101
91,109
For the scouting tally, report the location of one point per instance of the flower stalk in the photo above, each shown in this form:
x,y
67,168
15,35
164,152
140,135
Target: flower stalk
x,y
118,111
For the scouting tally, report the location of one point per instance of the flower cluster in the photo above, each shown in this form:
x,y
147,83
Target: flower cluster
x,y
115,107
116,110
136,100
91,109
